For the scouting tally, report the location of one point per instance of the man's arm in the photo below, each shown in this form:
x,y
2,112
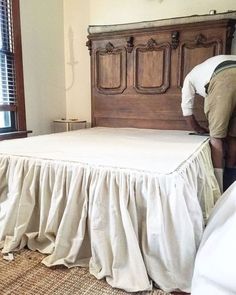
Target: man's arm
x,y
188,95
194,125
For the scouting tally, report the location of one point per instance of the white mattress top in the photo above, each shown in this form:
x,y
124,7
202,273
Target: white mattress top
x,y
158,151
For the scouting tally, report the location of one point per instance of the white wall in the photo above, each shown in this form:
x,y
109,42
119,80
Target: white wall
x,y
77,60
43,60
123,11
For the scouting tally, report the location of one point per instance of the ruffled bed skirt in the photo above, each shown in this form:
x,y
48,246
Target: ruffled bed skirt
x,y
131,227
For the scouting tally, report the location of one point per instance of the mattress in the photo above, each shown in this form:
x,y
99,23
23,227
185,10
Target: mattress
x,y
155,151
128,203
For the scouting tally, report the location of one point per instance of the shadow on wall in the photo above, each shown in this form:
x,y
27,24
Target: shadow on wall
x,y
72,62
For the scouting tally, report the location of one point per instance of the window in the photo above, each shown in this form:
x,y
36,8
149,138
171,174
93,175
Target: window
x,y
12,110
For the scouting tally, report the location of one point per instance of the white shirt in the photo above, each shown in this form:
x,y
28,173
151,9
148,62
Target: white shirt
x,y
196,80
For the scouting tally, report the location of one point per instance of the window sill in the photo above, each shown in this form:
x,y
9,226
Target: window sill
x,y
14,134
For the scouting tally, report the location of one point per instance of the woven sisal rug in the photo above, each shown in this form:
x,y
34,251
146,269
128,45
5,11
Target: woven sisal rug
x,y
25,275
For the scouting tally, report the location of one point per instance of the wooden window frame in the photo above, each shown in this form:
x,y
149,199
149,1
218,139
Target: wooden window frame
x,y
19,107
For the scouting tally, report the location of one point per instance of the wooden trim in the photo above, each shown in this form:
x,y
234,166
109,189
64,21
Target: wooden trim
x,y
7,107
153,46
111,50
176,27
20,117
13,135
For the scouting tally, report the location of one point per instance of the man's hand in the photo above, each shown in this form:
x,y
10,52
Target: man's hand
x,y
193,125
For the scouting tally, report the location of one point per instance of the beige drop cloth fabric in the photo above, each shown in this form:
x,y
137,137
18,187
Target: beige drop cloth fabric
x,y
128,202
214,271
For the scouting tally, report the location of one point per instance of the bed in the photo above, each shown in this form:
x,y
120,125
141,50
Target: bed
x,y
115,199
129,197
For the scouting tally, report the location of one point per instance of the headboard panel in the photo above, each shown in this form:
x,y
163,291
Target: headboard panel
x,y
137,74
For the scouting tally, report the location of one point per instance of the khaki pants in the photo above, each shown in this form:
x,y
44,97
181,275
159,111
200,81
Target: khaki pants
x,y
220,104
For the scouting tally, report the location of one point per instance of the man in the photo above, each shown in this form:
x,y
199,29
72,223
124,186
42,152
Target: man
x,y
215,79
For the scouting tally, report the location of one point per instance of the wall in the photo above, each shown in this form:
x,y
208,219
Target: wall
x,y
43,60
123,11
77,62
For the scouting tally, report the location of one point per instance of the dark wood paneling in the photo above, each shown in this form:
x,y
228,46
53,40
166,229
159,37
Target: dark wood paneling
x,y
152,67
110,69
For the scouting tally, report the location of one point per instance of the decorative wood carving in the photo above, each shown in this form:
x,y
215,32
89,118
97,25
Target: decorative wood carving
x,y
151,44
89,45
200,40
152,67
110,70
195,51
229,37
130,44
109,47
174,39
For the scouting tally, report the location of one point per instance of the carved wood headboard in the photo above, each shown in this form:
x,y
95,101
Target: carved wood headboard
x,y
137,74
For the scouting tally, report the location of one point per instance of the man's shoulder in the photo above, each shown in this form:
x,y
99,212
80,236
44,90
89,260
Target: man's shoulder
x,y
218,59
211,63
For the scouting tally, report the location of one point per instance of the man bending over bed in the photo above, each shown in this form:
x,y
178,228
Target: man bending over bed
x,y
215,80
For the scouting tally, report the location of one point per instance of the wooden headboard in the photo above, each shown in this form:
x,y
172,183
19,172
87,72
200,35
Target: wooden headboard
x,y
137,74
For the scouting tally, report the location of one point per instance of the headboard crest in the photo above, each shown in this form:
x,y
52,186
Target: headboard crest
x,y
200,39
109,47
151,44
